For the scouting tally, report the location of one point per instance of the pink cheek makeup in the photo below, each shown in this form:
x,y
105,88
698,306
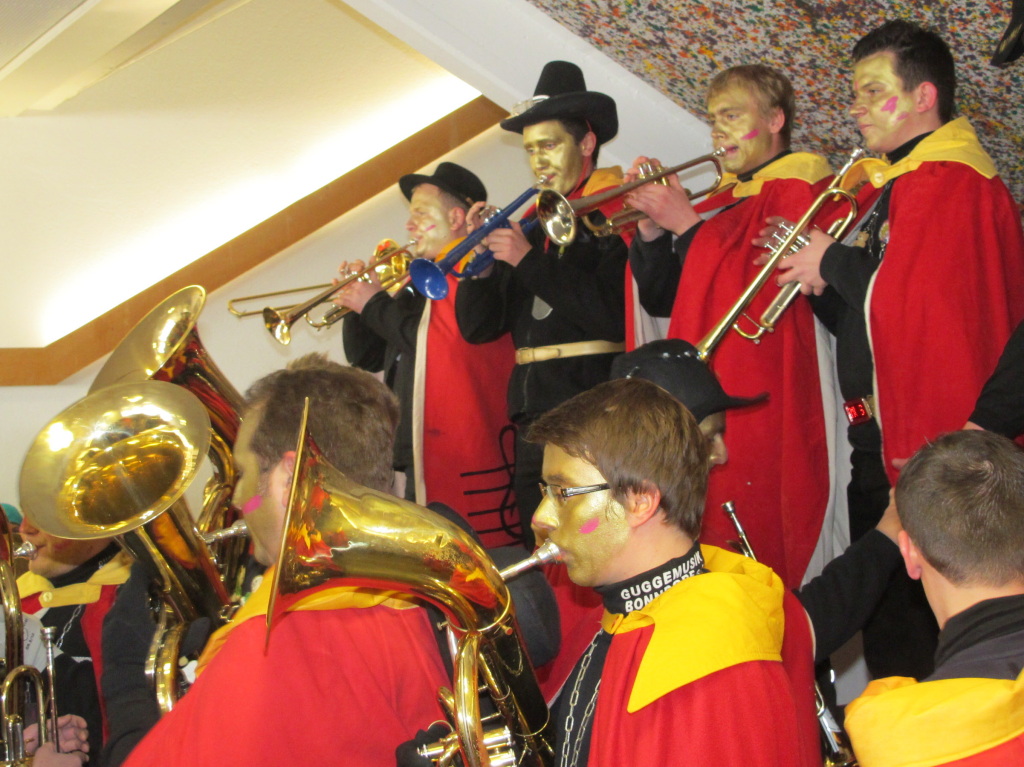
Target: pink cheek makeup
x,y
890,105
252,504
751,136
589,526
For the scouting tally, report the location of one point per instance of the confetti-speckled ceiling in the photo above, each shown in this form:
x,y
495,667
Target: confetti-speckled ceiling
x,y
678,45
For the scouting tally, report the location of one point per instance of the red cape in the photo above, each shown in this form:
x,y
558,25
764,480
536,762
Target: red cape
x,y
336,687
778,468
467,446
755,712
944,300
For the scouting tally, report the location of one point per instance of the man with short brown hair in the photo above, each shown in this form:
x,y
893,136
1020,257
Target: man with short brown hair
x,y
693,262
373,650
961,502
688,666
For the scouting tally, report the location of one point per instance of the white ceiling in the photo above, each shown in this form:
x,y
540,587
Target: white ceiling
x,y
217,121
211,115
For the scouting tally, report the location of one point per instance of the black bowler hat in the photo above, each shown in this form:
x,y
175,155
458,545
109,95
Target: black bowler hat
x,y
450,177
1010,45
673,364
561,92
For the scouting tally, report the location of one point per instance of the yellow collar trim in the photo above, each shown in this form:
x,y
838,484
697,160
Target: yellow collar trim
x,y
955,141
730,615
113,573
804,166
334,598
898,722
602,178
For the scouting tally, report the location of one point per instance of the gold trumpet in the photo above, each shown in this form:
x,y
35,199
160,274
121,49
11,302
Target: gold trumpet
x,y
390,262
558,215
794,240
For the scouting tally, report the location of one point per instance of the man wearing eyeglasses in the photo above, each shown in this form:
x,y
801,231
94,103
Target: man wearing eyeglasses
x,y
690,660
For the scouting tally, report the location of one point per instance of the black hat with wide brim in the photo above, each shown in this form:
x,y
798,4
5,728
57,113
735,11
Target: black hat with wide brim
x,y
1011,46
674,365
451,178
561,93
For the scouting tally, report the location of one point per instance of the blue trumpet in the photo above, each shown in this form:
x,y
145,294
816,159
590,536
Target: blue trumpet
x,y
431,277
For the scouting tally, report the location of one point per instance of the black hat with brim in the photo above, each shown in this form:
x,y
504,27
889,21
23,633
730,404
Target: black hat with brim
x,y
673,365
561,93
1011,46
451,178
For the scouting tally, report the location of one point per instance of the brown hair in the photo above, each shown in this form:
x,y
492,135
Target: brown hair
x,y
352,417
637,435
961,501
770,88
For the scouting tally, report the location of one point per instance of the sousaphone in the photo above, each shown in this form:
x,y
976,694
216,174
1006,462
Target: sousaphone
x,y
118,463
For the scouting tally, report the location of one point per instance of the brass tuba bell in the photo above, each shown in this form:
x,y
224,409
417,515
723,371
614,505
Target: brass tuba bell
x,y
339,531
165,346
117,463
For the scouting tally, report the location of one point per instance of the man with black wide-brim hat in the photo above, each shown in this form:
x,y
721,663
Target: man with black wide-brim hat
x,y
563,306
449,453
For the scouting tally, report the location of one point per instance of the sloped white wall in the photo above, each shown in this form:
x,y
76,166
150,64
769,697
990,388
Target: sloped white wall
x,y
241,347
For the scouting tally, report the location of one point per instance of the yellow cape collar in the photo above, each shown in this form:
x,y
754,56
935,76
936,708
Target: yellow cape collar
x,y
955,141
113,573
803,166
730,615
332,598
898,722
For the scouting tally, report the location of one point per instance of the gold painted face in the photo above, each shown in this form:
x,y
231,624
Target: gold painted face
x,y
739,125
713,429
554,154
428,222
591,529
884,111
263,513
54,555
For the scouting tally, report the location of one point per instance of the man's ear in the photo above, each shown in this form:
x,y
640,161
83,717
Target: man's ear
x,y
588,144
281,477
641,505
913,560
777,121
926,97
456,219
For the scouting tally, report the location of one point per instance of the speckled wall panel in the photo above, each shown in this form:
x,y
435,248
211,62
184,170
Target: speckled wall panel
x,y
677,45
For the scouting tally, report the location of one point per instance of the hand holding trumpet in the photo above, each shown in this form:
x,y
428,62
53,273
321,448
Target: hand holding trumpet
x,y
507,244
667,205
804,266
356,293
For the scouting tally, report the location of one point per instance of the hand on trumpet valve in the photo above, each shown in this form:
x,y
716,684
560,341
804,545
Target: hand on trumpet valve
x,y
508,244
74,736
356,291
804,266
667,204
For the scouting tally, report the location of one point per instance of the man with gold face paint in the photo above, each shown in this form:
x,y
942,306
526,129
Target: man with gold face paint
x,y
702,656
692,263
921,296
454,440
563,307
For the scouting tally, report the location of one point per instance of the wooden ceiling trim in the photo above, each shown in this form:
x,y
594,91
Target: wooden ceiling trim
x,y
52,364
